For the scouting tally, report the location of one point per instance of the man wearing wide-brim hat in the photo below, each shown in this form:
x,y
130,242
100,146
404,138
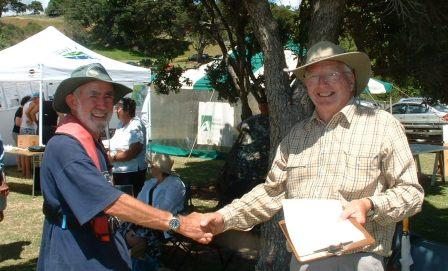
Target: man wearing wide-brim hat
x,y
344,151
80,202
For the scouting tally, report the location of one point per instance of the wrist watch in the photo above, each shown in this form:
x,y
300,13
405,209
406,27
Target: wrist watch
x,y
174,223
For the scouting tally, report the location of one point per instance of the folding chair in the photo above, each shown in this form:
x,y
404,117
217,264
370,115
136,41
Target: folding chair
x,y
189,247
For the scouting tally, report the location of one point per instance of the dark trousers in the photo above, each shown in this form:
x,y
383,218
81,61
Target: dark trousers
x,y
135,178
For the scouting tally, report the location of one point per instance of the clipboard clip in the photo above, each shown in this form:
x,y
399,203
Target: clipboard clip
x,y
334,249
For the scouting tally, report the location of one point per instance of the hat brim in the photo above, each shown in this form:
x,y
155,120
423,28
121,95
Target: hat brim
x,y
70,84
359,62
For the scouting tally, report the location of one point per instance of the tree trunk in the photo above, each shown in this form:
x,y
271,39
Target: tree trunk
x,y
287,105
326,20
282,115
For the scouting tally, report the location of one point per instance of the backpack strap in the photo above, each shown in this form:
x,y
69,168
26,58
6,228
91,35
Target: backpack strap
x,y
72,127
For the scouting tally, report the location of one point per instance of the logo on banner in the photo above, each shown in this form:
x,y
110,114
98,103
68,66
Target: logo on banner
x,y
206,123
77,55
74,53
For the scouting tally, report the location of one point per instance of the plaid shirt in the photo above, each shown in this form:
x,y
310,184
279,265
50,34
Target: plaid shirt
x,y
360,153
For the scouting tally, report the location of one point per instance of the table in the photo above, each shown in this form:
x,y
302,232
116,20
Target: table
x,y
418,149
36,158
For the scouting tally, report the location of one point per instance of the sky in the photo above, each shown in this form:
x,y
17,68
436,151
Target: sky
x,y
44,2
292,3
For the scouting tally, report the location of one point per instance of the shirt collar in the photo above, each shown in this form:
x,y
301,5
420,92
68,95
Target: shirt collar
x,y
344,117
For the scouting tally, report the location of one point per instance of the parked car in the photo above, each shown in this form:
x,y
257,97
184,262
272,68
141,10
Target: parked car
x,y
418,112
195,57
371,104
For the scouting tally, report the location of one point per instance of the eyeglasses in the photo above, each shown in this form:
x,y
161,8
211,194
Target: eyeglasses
x,y
329,78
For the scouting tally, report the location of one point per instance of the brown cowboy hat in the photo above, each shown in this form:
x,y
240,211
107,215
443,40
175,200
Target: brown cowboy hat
x,y
80,76
325,50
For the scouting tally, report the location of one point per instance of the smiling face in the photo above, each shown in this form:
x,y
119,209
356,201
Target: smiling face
x,y
330,85
92,103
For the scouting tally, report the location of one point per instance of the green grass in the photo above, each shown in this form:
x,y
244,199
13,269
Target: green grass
x,y
432,221
120,55
22,228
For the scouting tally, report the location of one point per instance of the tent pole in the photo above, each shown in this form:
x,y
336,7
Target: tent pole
x,y
390,102
41,102
196,139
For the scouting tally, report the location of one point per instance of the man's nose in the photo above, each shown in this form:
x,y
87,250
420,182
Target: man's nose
x,y
102,103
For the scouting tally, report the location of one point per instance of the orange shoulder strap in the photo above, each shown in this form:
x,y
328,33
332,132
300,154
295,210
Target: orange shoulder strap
x,y
71,126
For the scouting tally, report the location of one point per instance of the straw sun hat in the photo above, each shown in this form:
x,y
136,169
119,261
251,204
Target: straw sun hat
x,y
163,162
325,50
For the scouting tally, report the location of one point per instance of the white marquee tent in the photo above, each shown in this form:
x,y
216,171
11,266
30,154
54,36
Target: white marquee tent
x,y
41,62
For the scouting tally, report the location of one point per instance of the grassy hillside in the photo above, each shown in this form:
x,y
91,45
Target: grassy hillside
x,y
18,28
40,20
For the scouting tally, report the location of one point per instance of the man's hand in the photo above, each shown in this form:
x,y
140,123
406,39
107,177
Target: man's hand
x,y
357,209
213,222
190,226
4,189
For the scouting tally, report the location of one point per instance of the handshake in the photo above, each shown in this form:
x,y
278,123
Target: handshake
x,y
201,227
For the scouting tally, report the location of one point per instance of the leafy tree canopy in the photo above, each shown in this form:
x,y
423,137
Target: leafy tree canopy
x,y
405,39
55,8
35,6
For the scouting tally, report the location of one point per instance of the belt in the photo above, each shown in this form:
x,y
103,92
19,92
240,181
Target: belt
x,y
62,220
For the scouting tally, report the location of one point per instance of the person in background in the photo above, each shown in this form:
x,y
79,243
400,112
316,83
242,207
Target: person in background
x,y
247,162
128,147
165,191
33,113
4,189
28,127
17,124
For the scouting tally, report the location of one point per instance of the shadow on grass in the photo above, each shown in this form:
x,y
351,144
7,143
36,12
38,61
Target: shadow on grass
x,y
202,176
21,188
431,223
434,190
12,251
26,266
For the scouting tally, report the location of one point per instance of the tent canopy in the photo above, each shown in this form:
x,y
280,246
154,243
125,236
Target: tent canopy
x,y
51,56
42,61
376,86
200,81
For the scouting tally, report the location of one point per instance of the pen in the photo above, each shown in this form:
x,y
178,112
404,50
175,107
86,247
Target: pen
x,y
334,249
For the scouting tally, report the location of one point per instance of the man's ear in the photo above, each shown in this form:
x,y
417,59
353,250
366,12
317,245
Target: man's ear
x,y
71,101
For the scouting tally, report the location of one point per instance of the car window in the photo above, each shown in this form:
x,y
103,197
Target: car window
x,y
441,108
417,109
399,109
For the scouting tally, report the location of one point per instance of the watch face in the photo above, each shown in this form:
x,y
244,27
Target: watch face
x,y
174,223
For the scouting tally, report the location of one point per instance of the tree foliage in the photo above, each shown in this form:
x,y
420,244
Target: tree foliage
x,y
407,41
35,7
17,6
147,26
55,8
11,34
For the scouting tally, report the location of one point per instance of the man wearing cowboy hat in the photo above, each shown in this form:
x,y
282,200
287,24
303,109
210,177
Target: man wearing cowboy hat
x,y
344,151
79,199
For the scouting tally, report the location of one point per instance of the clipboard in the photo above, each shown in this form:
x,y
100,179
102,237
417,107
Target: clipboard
x,y
335,250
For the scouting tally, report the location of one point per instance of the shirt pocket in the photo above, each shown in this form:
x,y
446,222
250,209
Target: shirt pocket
x,y
360,177
298,183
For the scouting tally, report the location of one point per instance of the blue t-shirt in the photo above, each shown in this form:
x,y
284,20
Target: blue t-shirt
x,y
73,185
